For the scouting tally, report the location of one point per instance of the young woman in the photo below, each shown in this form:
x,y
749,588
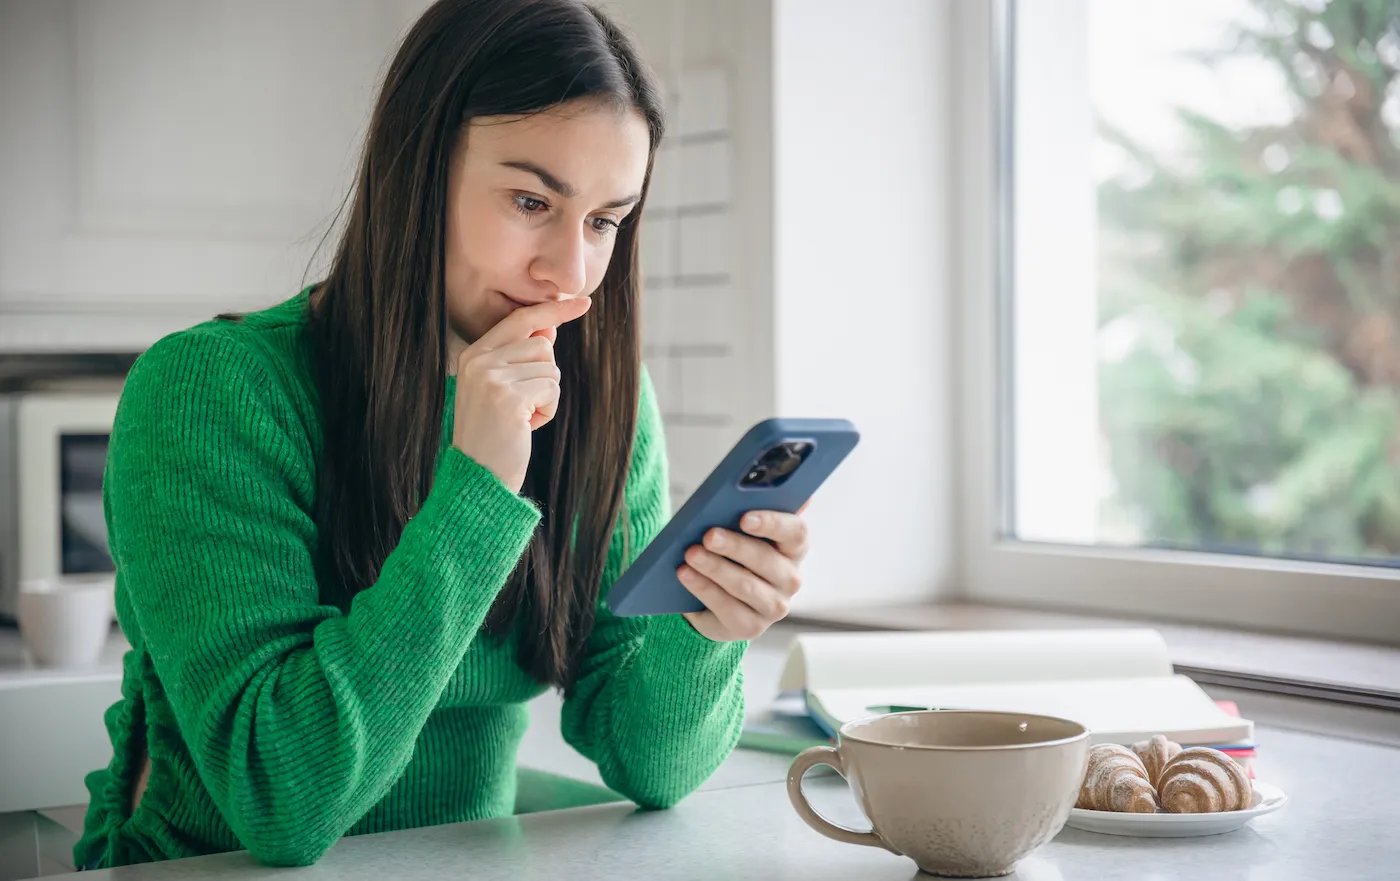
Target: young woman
x,y
356,532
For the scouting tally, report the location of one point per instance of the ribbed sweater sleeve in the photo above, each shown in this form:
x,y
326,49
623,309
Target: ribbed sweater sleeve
x,y
657,706
299,717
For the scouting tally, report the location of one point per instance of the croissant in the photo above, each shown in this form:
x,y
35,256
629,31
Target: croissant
x,y
1116,781
1201,780
1155,753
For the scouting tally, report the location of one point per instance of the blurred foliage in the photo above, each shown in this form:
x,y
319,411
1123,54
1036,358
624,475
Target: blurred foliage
x,y
1250,304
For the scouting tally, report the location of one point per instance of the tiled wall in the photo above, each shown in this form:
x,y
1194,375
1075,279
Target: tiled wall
x,y
691,322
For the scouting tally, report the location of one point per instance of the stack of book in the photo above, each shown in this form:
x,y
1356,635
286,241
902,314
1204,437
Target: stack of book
x,y
1118,683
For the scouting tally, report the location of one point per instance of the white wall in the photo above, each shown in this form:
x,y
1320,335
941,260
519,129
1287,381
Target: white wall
x,y
862,300
706,320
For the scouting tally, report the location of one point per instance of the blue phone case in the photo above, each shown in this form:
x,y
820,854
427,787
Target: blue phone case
x,y
650,586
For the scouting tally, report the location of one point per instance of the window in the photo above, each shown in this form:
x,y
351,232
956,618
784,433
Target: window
x,y
1184,388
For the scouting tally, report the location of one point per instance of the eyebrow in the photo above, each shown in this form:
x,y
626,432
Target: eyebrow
x,y
563,188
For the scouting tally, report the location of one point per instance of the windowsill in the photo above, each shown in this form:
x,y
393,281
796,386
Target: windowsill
x,y
1312,668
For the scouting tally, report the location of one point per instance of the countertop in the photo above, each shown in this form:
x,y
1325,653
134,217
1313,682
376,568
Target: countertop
x,y
1340,823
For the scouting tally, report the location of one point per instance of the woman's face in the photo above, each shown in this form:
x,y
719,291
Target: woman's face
x,y
533,208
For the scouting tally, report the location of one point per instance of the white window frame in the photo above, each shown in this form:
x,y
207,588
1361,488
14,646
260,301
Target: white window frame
x,y
1340,601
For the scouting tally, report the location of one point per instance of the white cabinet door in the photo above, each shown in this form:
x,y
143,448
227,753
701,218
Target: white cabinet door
x,y
165,160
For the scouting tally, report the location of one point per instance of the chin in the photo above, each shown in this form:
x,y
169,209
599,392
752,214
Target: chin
x,y
461,330
469,324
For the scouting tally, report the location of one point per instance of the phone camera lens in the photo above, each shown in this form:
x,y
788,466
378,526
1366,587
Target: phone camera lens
x,y
776,464
786,465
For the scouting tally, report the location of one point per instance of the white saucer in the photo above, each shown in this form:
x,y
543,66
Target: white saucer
x,y
1267,799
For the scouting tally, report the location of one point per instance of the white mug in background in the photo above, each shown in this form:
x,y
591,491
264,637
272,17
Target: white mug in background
x,y
65,621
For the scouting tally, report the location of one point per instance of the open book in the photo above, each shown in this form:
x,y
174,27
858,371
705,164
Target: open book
x,y
1119,683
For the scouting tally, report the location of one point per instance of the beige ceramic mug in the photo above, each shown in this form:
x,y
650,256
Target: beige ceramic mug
x,y
963,793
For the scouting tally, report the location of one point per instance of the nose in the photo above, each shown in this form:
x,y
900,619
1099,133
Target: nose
x,y
562,264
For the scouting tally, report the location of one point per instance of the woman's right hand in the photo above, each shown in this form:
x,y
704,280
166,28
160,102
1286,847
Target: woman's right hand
x,y
508,386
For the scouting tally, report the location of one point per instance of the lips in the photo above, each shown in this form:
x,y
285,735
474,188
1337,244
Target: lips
x,y
512,302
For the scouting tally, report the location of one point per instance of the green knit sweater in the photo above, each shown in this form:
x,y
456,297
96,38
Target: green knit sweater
x,y
277,718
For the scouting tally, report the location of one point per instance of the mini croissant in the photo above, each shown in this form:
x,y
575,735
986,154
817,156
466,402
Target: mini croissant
x,y
1155,753
1201,780
1116,781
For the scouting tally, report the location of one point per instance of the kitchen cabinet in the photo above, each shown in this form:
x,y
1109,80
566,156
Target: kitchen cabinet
x,y
162,161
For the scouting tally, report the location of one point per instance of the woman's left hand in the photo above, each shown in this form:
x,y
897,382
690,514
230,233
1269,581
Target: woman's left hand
x,y
746,580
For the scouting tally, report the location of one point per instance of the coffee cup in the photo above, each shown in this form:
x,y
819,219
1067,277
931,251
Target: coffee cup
x,y
964,793
65,622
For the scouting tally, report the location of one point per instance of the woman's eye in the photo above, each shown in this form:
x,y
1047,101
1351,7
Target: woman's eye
x,y
603,226
529,205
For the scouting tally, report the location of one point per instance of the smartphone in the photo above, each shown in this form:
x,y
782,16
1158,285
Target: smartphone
x,y
776,466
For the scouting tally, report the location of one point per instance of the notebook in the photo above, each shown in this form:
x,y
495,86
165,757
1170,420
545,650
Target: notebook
x,y
785,727
1118,683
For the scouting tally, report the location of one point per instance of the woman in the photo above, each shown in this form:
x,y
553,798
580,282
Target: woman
x,y
356,532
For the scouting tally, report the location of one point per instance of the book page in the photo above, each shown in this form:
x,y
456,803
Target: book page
x,y
1113,709
843,660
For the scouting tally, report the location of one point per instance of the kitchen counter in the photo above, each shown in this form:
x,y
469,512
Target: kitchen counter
x,y
1340,823
1336,768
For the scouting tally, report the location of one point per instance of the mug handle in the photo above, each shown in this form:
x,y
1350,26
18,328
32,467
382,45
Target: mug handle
x,y
805,761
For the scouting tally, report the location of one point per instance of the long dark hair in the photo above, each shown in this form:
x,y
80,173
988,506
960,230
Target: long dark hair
x,y
379,328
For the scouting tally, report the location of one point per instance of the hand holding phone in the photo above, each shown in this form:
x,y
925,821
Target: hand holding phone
x,y
776,466
745,579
